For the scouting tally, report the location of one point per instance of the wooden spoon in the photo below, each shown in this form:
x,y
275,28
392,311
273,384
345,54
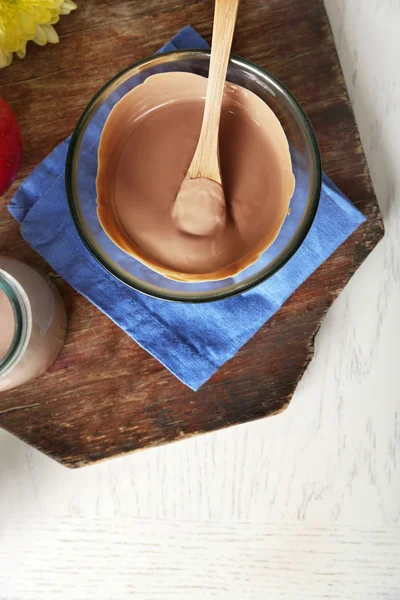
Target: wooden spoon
x,y
200,207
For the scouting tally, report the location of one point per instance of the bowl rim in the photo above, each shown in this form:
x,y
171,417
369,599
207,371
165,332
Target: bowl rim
x,y
252,281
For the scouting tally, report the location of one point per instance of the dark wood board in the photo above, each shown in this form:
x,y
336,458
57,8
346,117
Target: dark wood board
x,y
105,396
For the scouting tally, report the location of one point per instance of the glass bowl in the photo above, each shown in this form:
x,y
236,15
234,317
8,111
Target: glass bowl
x,y
81,171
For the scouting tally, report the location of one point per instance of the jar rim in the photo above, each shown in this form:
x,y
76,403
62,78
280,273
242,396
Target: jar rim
x,y
7,285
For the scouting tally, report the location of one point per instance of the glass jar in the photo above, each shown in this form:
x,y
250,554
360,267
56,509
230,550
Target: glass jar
x,y
33,323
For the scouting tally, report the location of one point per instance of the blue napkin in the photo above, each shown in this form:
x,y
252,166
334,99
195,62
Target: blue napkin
x,y
191,340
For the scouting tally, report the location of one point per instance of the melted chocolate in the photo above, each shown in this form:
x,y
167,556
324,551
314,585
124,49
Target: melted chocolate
x,y
145,150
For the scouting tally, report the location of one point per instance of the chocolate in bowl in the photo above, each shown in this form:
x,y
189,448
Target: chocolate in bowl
x,y
82,170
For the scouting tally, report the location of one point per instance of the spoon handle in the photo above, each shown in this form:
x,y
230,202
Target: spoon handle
x,y
205,162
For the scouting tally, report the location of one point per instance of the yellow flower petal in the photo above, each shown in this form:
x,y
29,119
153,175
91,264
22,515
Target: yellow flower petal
x,y
28,26
5,59
51,34
69,5
40,36
22,52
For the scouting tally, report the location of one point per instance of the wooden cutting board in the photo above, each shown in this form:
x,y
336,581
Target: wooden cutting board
x,y
105,396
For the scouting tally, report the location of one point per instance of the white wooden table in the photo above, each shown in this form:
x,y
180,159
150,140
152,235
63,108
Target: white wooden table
x,y
302,505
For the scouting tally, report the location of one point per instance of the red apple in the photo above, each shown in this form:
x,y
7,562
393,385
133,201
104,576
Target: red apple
x,y
10,146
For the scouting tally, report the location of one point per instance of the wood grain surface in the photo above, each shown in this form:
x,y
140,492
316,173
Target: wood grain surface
x,y
161,560
104,395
